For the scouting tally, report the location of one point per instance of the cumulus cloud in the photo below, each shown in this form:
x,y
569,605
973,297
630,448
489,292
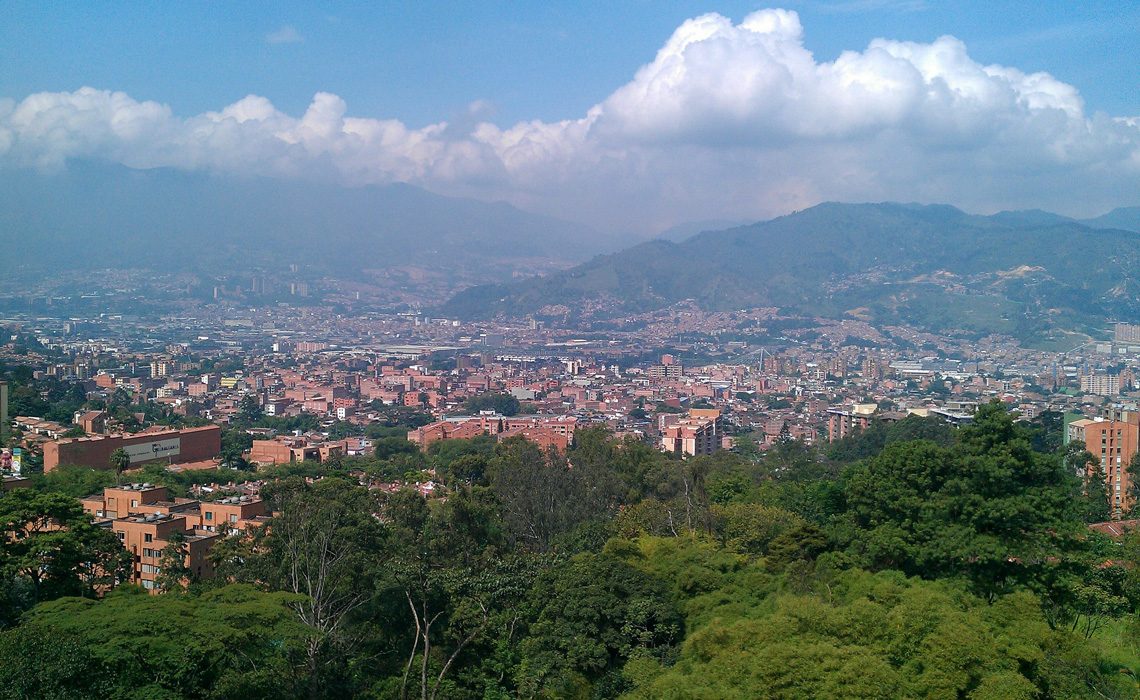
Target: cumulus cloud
x,y
728,120
284,35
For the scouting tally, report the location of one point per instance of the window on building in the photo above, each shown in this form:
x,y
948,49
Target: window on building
x,y
121,536
147,537
209,515
233,518
134,503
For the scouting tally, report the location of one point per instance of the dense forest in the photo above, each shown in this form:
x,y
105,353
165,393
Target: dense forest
x,y
913,560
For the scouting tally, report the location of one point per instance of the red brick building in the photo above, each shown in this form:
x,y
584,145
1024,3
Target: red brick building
x,y
146,536
547,431
1112,443
285,449
145,519
177,446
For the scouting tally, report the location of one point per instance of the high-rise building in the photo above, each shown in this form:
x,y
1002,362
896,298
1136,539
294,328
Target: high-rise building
x,y
1112,444
1100,384
673,371
1126,333
4,428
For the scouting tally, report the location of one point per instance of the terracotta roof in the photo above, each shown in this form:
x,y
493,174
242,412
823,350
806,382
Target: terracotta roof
x,y
1115,528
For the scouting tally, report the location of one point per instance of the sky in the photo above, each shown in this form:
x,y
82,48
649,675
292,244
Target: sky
x,y
629,116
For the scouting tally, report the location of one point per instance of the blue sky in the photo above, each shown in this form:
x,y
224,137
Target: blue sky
x,y
546,106
425,61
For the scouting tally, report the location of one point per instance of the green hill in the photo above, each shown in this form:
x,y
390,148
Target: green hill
x,y
1025,273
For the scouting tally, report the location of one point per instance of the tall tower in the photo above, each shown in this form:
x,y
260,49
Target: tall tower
x,y
4,427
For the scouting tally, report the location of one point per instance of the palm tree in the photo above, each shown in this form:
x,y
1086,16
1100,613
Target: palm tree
x,y
119,461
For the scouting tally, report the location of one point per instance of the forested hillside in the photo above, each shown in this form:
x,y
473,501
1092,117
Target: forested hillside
x,y
909,561
936,267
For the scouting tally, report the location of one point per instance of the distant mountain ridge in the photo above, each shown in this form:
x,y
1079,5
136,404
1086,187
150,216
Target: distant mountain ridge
x,y
680,232
110,216
937,266
1127,218
1123,218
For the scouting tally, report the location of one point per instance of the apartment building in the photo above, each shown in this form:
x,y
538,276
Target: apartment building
x,y
691,437
1112,444
842,421
145,519
147,536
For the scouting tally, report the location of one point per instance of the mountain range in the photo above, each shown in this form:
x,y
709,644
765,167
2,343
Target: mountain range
x,y
1029,273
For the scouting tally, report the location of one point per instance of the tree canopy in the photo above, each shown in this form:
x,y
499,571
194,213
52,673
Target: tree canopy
x,y
913,560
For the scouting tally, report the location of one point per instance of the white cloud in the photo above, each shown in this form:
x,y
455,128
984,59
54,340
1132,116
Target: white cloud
x,y
284,35
729,120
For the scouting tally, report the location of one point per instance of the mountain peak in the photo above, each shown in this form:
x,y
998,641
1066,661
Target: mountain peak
x,y
928,265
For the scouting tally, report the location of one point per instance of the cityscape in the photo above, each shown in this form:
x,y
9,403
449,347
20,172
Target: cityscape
x,y
659,403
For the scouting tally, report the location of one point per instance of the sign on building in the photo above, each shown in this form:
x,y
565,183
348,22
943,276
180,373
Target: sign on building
x,y
154,450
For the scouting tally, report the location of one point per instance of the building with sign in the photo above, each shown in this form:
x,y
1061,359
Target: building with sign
x,y
164,445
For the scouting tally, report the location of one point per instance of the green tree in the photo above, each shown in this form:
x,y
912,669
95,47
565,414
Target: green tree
x,y
1048,431
460,584
469,469
52,549
542,496
590,615
1133,492
1077,457
989,509
235,442
73,481
746,446
386,448
173,573
749,528
325,546
249,409
342,429
44,661
119,461
503,404
230,642
858,635
1095,505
